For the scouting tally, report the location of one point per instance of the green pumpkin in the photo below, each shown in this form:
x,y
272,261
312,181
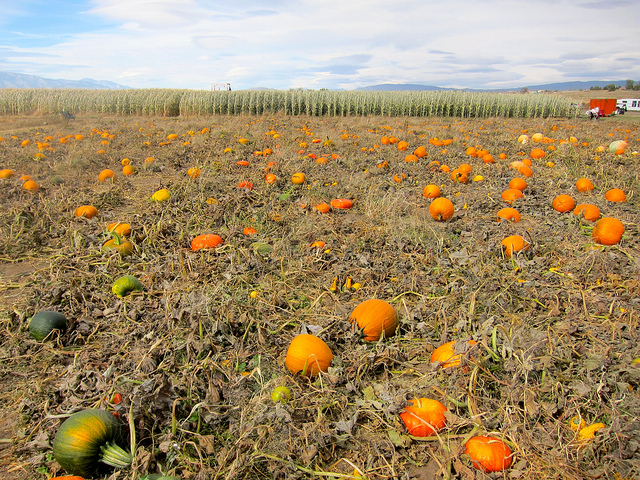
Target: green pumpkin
x,y
89,439
127,284
45,322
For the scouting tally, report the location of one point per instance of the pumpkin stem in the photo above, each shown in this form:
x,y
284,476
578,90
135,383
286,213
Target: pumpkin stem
x,y
116,236
115,456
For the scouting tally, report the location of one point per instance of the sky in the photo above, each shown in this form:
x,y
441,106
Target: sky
x,y
334,44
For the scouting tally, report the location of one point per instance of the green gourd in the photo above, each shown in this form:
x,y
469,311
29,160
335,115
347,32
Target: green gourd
x,y
89,439
45,322
126,284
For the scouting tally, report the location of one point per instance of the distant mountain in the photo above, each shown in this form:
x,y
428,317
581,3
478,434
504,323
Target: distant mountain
x,y
577,85
19,80
561,86
394,87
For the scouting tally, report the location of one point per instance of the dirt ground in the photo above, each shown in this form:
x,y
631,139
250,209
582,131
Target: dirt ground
x,y
197,355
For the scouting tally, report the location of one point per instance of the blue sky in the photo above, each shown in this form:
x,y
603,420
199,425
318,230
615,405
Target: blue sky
x,y
335,44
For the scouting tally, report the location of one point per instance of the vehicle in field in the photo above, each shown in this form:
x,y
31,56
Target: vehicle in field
x,y
628,104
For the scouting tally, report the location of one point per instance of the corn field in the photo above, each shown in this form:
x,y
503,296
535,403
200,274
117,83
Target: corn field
x,y
175,102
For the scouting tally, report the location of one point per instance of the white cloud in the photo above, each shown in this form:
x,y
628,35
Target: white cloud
x,y
337,44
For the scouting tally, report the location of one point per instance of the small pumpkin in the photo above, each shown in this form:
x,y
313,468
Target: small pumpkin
x,y
121,228
563,203
249,231
31,186
375,318
86,211
514,243
281,395
6,173
323,208
615,195
587,211
446,354
205,240
489,454
518,183
106,174
88,439
424,417
270,178
441,209
126,284
161,195
510,195
341,203
607,231
584,185
431,191
510,214
459,176
298,178
123,247
308,355
45,322
194,172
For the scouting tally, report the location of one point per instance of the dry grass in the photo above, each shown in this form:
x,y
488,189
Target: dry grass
x,y
196,357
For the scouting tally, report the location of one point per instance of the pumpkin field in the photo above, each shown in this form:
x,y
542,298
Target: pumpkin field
x,y
214,276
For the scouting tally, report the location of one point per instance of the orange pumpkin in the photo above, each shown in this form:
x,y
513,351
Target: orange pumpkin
x,y
441,209
105,174
298,178
537,153
615,195
341,203
424,417
587,211
459,176
270,178
488,158
323,208
510,195
120,228
86,211
205,240
514,243
431,191
308,355
194,172
489,454
420,152
584,185
249,231
563,203
411,159
510,214
375,318
31,186
128,170
446,355
518,183
6,173
607,231
402,145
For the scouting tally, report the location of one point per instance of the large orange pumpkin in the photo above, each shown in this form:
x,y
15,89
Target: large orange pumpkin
x,y
608,231
308,355
510,195
424,417
488,454
508,213
441,209
205,240
375,318
587,211
431,191
563,203
514,243
615,195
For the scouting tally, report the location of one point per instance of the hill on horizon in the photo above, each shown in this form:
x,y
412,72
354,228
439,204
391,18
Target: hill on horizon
x,y
21,80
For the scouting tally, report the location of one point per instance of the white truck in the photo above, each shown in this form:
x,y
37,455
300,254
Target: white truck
x,y
628,105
